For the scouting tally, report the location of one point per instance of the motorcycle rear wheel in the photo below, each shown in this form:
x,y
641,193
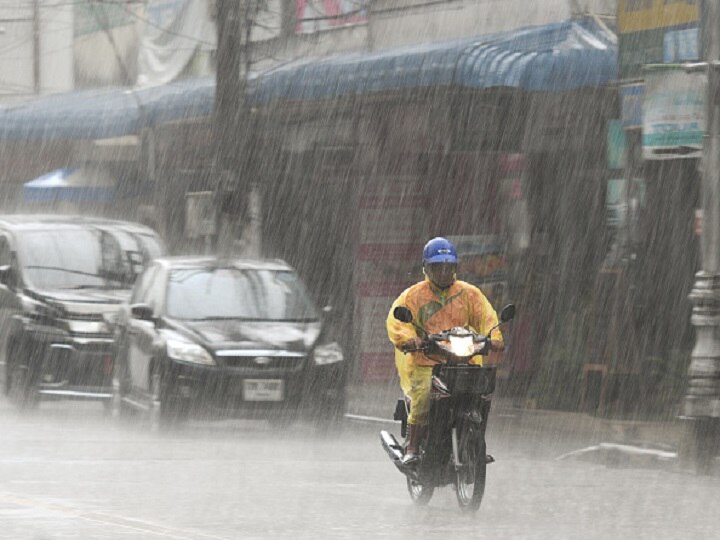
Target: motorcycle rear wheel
x,y
470,480
419,493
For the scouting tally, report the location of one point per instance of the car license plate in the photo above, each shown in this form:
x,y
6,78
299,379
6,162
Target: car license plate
x,y
263,389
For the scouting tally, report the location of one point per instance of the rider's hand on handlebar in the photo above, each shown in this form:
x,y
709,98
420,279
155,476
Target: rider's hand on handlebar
x,y
412,345
496,345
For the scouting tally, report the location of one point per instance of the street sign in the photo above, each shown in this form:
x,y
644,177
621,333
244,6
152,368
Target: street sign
x,y
632,100
673,113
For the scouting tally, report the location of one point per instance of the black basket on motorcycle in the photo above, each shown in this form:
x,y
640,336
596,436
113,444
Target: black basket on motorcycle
x,y
467,380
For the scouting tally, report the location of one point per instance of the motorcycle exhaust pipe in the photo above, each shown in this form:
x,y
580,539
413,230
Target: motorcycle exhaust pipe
x,y
391,446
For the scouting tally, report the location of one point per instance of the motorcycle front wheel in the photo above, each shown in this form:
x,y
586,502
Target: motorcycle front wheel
x,y
470,481
419,493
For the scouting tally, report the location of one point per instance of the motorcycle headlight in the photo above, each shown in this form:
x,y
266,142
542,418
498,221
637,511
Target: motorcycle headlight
x,y
330,353
462,346
185,351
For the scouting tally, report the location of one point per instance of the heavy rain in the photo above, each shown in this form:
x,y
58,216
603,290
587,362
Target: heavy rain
x,y
359,269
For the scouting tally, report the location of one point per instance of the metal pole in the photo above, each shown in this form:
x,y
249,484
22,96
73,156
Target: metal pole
x,y
703,394
36,46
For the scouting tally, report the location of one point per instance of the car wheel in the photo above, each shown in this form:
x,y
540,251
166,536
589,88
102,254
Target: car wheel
x,y
20,386
166,410
116,406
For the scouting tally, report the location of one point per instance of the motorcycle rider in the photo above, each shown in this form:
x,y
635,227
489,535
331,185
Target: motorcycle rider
x,y
438,303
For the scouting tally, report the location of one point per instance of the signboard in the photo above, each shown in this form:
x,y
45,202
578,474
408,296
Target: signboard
x,y
632,101
657,31
641,15
616,145
673,114
315,15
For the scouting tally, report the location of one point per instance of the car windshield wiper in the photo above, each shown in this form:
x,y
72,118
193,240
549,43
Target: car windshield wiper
x,y
88,286
68,270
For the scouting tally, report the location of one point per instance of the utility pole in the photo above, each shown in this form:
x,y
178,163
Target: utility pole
x,y
238,194
229,94
702,402
36,46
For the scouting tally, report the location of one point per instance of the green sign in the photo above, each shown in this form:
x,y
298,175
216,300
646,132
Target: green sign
x,y
616,145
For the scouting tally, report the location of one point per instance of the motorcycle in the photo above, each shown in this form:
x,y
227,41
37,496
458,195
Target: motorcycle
x,y
454,450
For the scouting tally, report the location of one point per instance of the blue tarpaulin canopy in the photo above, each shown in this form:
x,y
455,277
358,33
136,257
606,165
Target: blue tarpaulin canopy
x,y
101,113
77,184
553,58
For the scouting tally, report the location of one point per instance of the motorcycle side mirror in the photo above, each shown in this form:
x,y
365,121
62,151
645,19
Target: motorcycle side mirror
x,y
403,314
507,313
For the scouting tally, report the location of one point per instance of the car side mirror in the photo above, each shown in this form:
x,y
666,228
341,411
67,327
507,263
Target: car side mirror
x,y
142,312
8,276
507,313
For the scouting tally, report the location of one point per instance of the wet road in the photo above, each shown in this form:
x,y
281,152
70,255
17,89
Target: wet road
x,y
67,471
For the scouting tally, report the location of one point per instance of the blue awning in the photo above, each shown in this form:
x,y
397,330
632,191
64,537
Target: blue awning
x,y
101,113
75,184
553,58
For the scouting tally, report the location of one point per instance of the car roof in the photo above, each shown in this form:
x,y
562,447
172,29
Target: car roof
x,y
42,221
205,261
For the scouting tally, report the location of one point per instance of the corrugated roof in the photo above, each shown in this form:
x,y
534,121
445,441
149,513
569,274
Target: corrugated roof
x,y
557,57
101,113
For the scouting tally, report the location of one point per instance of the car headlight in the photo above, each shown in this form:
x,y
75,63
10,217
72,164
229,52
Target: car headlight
x,y
329,353
40,310
188,352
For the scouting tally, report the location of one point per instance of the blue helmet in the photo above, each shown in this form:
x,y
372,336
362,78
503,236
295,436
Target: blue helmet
x,y
439,250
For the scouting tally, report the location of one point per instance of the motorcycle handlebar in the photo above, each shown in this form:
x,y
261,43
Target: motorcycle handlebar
x,y
428,343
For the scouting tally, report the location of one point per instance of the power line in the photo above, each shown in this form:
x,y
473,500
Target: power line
x,y
147,21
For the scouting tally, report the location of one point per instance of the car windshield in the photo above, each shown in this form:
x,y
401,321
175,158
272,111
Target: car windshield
x,y
231,293
79,257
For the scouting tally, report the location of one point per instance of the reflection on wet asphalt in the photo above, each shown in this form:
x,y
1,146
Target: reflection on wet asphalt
x,y
67,471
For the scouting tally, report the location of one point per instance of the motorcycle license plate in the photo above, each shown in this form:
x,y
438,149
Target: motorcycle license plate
x,y
263,390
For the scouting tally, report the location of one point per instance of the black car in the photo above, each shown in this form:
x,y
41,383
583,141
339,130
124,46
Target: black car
x,y
63,281
232,337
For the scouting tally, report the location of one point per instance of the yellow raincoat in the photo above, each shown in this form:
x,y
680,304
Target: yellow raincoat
x,y
435,310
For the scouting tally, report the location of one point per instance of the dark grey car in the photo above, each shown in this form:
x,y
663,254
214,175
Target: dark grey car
x,y
63,280
227,337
